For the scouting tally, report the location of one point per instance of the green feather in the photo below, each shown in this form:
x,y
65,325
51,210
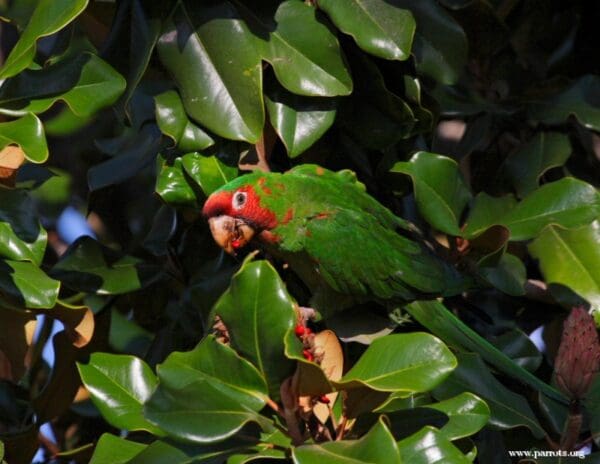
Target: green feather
x,y
342,241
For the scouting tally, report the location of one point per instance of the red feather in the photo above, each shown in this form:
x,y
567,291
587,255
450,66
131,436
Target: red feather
x,y
252,212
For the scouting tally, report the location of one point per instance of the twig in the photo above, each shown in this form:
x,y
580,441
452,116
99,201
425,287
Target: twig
x,y
52,447
275,407
341,430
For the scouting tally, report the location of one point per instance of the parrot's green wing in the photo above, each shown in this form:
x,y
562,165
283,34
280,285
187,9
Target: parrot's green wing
x,y
357,255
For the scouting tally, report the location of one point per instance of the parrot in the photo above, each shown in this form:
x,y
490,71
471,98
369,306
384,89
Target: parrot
x,y
344,245
349,249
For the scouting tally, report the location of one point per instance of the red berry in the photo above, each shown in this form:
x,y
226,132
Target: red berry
x,y
324,399
300,330
308,355
236,243
307,330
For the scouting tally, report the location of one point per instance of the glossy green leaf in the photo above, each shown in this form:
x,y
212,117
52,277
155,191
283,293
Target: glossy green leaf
x,y
258,312
217,365
468,415
304,52
434,316
440,190
525,166
299,121
48,17
378,27
209,172
428,446
199,412
88,267
119,386
507,408
22,238
410,363
376,447
84,82
173,122
507,275
568,202
28,133
27,284
580,99
229,389
440,44
486,212
571,257
111,449
173,185
178,452
216,44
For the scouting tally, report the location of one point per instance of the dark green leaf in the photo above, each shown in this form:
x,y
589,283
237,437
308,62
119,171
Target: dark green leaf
x,y
84,82
508,409
441,322
22,238
209,172
468,415
216,44
440,44
507,275
486,212
139,151
28,284
440,190
299,121
376,447
87,266
258,312
430,445
379,28
410,363
119,386
48,17
125,336
579,100
525,166
115,450
172,184
519,347
571,257
173,121
28,133
304,52
568,202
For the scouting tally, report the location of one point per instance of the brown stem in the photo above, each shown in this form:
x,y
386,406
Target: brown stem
x,y
341,429
48,444
274,406
289,398
570,433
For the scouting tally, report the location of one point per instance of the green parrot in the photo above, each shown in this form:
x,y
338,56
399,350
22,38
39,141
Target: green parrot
x,y
344,245
348,249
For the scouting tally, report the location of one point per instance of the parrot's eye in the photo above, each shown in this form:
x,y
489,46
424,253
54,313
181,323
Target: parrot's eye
x,y
239,199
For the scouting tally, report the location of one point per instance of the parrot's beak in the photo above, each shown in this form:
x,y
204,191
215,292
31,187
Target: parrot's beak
x,y
230,233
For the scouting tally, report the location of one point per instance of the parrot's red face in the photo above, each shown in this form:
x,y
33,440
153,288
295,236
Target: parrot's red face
x,y
235,216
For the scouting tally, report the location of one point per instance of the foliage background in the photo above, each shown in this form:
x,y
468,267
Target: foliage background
x,y
476,120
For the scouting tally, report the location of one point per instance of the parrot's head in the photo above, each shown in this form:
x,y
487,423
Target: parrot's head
x,y
235,214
